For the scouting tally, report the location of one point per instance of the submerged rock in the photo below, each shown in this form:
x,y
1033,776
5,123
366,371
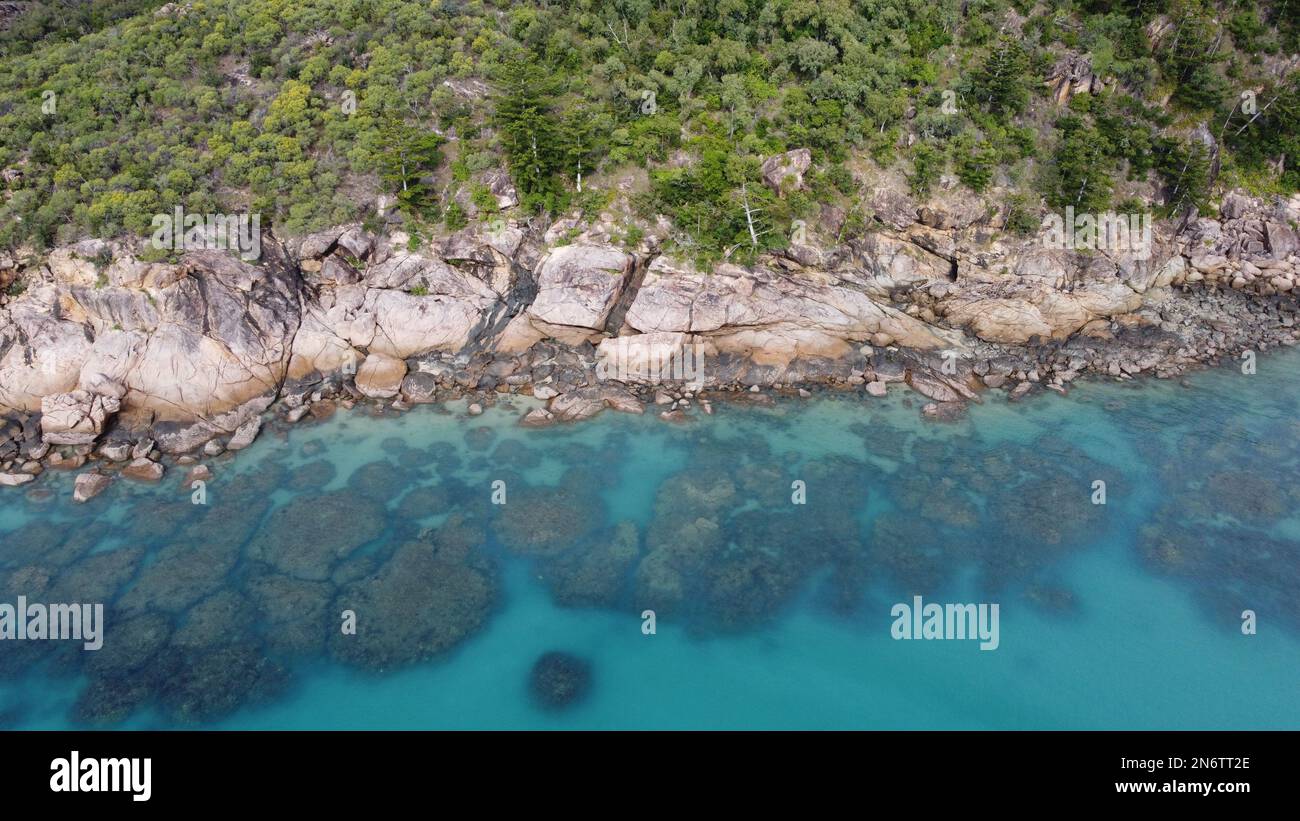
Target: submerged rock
x,y
182,573
129,643
423,601
312,475
309,535
294,612
425,501
381,481
202,686
559,680
597,571
545,521
108,700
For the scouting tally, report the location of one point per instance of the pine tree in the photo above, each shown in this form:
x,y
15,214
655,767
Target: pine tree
x,y
1080,174
975,164
1185,168
407,155
927,165
1191,54
530,138
999,82
583,143
1270,136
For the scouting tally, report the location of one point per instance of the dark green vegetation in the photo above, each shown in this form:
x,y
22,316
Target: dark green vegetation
x,y
305,110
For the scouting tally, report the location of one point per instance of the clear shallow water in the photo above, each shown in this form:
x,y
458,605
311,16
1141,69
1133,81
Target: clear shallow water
x,y
769,614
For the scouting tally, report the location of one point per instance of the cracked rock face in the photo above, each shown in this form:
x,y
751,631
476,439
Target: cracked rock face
x,y
579,284
407,303
199,347
578,287
773,316
40,354
75,418
209,336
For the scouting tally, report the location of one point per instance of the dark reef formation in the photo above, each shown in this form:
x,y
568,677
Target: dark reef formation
x,y
214,608
559,680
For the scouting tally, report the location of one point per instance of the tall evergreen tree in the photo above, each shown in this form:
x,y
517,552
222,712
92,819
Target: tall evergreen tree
x,y
999,82
1185,168
407,155
529,135
584,143
1190,54
1080,175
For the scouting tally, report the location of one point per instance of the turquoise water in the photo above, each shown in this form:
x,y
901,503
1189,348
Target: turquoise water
x,y
768,614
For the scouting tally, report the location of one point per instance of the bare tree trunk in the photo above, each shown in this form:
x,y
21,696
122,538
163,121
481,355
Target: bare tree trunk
x,y
749,216
1258,113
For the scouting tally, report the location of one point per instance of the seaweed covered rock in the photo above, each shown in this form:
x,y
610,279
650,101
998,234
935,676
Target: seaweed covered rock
x,y
309,535
222,618
559,680
424,600
108,700
545,521
312,475
129,643
294,613
382,481
47,542
597,571
424,501
204,685
182,574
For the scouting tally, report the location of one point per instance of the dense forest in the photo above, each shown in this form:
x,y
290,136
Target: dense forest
x,y
306,110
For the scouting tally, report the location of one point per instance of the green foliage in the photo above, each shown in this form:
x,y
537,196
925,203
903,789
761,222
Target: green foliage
x,y
1000,82
1022,215
407,155
1130,130
927,166
1080,173
304,109
974,163
51,21
707,201
1184,166
530,137
1191,55
1269,138
454,218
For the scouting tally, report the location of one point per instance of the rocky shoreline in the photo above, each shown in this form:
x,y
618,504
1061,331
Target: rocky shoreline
x,y
112,365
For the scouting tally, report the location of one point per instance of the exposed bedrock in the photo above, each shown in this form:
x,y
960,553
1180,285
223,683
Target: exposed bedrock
x,y
100,341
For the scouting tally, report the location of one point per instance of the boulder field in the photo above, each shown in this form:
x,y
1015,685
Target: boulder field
x,y
101,350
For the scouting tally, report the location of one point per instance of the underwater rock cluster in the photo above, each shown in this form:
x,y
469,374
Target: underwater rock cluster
x,y
1225,525
208,608
559,680
214,608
